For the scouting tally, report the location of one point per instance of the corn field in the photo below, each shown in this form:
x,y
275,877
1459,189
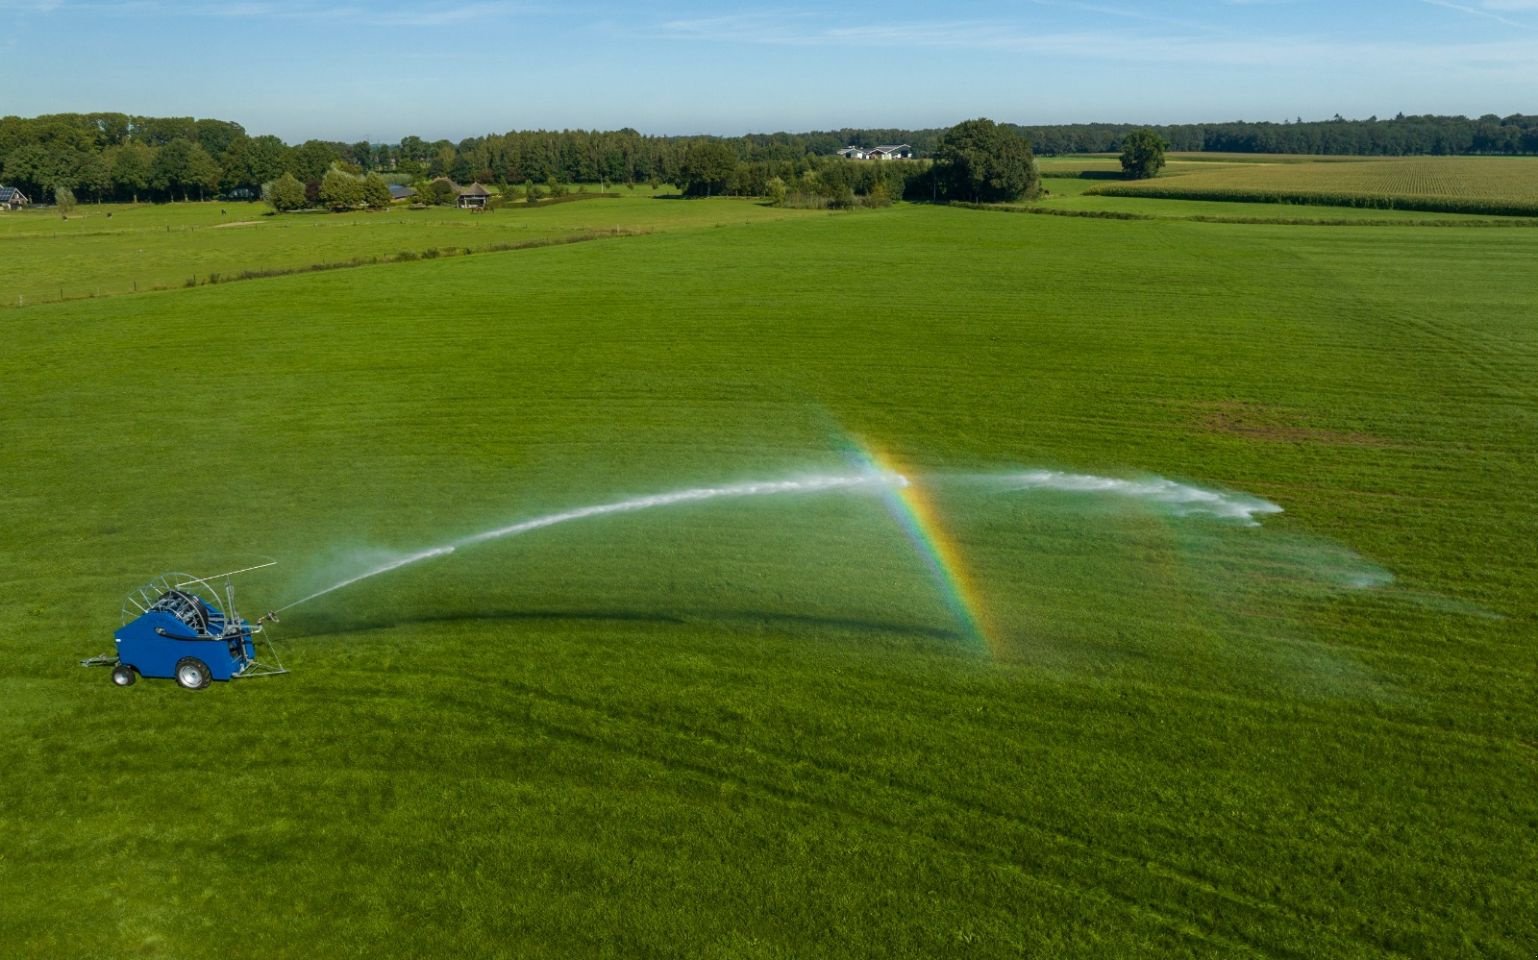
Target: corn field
x,y
1489,185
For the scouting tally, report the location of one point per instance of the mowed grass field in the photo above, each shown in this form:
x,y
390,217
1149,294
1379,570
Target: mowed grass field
x,y
1488,185
758,728
105,249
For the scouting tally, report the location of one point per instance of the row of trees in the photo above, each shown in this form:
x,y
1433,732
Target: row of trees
x,y
977,161
1398,136
113,156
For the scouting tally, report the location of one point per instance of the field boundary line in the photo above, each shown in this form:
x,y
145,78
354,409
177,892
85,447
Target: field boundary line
x,y
1493,221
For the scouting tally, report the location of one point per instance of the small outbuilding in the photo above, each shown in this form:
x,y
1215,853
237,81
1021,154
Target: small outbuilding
x,y
891,151
401,192
11,198
473,197
852,153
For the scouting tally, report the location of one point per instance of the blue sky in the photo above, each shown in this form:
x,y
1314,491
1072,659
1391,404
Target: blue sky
x,y
350,70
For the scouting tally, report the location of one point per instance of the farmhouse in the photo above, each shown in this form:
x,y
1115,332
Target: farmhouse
x,y
473,197
890,151
398,192
852,153
11,198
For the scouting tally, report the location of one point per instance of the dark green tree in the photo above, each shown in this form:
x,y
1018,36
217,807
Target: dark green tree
x,y
130,165
707,166
980,161
173,170
1142,154
33,168
202,172
340,190
311,159
376,193
94,176
252,161
439,192
285,193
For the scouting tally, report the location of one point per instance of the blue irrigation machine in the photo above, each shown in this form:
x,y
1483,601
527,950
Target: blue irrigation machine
x,y
178,626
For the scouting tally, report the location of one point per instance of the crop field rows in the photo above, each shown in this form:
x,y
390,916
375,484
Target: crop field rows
x,y
1478,185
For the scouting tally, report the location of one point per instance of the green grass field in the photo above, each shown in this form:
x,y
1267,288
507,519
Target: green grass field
x,y
108,249
757,728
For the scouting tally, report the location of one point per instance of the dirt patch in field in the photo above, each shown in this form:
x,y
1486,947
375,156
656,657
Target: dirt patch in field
x,y
237,223
1278,425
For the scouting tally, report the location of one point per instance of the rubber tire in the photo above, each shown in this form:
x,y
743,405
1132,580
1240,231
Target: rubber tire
x,y
124,675
192,673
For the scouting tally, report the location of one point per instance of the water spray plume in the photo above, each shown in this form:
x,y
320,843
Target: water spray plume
x,y
395,564
1179,498
872,480
867,480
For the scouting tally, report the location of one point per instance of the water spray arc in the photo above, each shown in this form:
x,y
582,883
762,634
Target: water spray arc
x,y
395,564
1180,499
912,505
866,481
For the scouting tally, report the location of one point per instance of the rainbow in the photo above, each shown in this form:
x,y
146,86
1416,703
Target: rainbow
x,y
916,512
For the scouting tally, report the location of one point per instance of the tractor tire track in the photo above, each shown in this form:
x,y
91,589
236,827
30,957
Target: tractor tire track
x,y
1121,860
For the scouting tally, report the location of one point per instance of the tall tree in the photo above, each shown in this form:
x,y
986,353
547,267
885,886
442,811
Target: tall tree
x,y
171,170
311,159
707,166
252,161
1142,154
182,166
32,167
980,161
202,172
95,177
130,165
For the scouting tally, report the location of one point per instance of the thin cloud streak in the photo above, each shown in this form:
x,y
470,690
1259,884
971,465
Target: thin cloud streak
x,y
1479,11
1096,45
425,15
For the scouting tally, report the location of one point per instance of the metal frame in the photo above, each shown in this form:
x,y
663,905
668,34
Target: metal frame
x,y
172,592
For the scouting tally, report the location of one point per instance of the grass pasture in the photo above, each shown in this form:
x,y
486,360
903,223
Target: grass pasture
x,y
148,247
1505,186
758,728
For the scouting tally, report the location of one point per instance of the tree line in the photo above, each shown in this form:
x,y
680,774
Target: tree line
x,y
1400,136
114,156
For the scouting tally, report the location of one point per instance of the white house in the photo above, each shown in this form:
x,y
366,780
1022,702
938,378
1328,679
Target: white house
x,y
11,198
890,151
852,153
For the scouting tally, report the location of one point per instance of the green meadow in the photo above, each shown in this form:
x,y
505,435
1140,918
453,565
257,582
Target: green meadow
x,y
104,249
763,727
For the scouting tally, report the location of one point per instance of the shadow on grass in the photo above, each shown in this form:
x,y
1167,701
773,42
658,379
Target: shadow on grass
x,y
340,626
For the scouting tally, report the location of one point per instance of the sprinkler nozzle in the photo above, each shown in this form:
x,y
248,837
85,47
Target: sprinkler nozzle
x,y
271,616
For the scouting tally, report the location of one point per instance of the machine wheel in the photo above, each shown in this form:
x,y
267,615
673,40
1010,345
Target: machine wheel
x,y
192,673
123,675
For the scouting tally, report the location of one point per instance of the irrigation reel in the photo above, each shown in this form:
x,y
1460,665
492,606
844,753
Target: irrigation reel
x,y
180,626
